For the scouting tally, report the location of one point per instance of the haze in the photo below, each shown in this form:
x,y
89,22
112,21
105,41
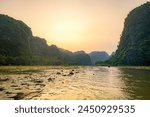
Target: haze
x,y
87,25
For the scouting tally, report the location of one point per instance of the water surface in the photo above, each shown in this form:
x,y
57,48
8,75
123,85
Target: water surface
x,y
81,83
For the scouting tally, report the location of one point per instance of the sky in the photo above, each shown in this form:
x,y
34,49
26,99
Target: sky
x,y
89,25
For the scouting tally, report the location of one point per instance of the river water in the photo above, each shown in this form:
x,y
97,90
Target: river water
x,y
74,83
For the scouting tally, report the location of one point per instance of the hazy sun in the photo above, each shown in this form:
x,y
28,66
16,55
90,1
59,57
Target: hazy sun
x,y
66,30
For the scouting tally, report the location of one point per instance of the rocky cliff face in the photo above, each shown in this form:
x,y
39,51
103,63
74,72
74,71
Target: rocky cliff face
x,y
15,39
134,47
19,47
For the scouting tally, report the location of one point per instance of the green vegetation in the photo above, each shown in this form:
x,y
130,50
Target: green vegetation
x,y
19,47
134,46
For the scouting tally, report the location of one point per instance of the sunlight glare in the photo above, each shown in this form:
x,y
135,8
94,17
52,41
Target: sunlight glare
x,y
66,30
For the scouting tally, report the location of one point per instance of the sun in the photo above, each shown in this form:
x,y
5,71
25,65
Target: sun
x,y
66,30
65,27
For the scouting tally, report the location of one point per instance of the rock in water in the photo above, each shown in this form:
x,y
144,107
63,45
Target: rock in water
x,y
71,73
1,89
18,96
51,79
3,79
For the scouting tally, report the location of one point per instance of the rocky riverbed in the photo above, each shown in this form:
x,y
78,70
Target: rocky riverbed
x,y
59,83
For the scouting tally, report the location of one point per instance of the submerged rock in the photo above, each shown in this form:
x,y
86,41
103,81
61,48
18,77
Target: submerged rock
x,y
7,92
64,75
41,85
71,73
51,79
1,89
3,79
37,81
18,96
25,84
18,88
14,85
58,73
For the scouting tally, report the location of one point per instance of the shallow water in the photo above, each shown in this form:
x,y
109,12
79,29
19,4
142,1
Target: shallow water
x,y
45,83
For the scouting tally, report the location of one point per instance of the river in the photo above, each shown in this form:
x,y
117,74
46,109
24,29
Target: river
x,y
74,83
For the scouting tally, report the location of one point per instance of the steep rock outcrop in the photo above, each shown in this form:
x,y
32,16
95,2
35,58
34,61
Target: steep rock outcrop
x,y
19,47
134,46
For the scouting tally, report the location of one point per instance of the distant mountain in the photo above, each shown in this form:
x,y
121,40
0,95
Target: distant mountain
x,y
67,56
134,46
76,58
19,47
82,58
98,56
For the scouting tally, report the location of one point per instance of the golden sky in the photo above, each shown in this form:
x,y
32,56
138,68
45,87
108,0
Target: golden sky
x,y
87,25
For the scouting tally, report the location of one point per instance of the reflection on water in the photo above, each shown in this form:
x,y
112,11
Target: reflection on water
x,y
76,83
137,83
